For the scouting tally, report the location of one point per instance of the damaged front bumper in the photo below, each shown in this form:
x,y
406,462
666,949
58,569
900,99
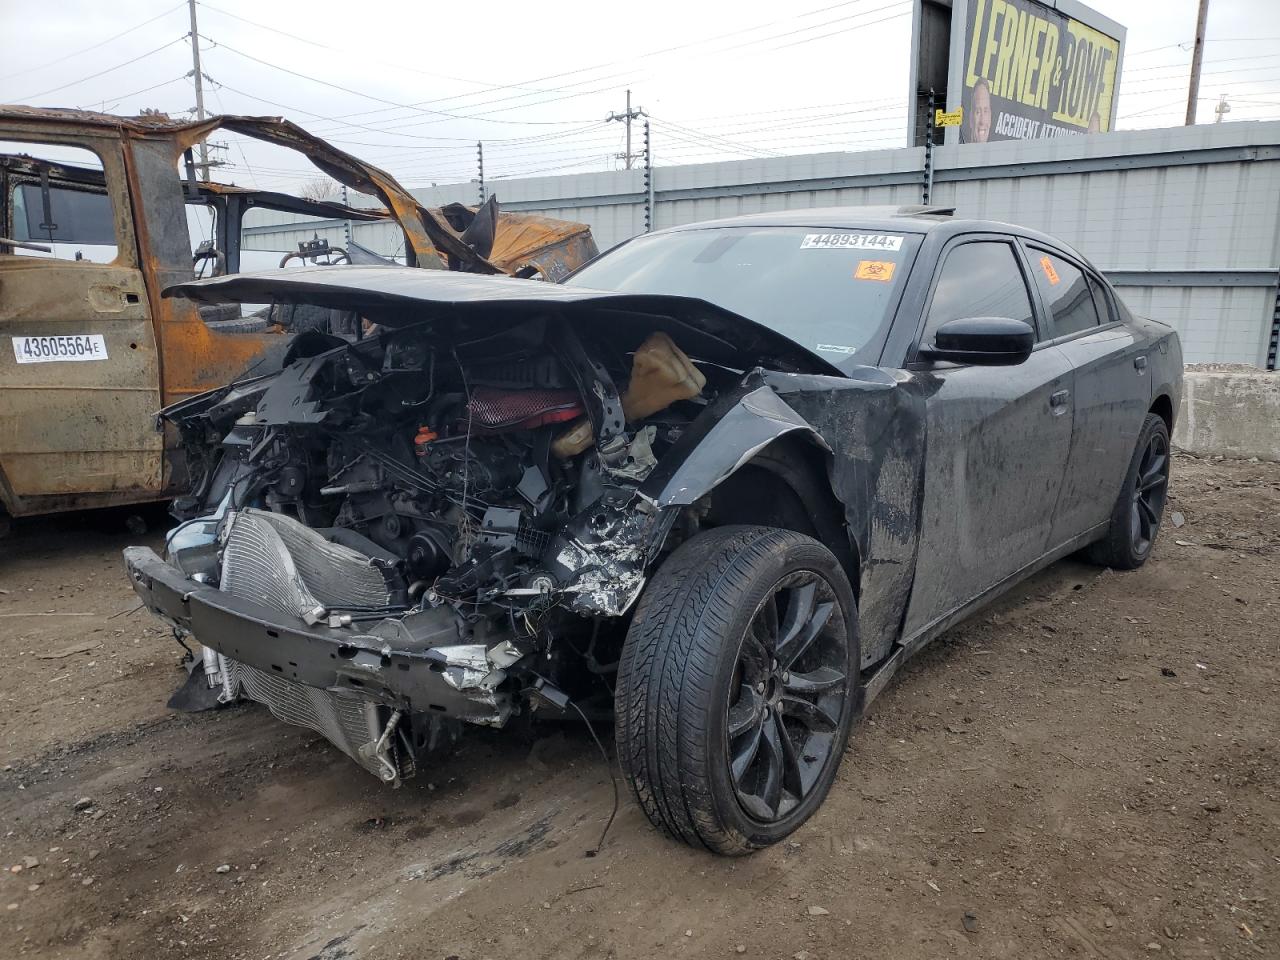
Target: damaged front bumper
x,y
354,688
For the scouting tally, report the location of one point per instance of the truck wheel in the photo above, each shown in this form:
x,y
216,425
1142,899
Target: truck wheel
x,y
1135,519
738,686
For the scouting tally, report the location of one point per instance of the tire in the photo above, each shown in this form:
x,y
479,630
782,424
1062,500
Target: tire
x,y
299,317
1135,518
215,312
250,324
685,685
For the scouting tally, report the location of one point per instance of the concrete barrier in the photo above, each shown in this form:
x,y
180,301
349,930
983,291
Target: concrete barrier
x,y
1229,410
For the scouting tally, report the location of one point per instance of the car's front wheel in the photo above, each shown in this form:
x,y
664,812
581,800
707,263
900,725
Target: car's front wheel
x,y
738,686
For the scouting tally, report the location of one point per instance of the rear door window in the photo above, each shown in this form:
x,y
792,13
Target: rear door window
x,y
979,279
1066,291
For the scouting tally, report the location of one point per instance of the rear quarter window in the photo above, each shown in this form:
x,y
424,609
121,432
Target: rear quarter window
x,y
1066,291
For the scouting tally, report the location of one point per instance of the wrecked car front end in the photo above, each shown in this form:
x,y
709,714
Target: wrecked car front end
x,y
449,521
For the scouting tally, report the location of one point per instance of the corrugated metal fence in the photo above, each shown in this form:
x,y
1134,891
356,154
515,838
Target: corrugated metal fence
x,y
1186,221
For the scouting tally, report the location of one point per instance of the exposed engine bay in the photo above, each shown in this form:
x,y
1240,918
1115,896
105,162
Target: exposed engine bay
x,y
463,493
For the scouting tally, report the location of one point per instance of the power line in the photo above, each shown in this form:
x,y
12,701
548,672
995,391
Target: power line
x,y
834,128
866,105
93,46
724,141
92,76
662,51
628,75
383,62
1145,93
1207,73
116,100
1184,66
416,123
859,26
398,146
239,146
318,116
377,99
1183,44
856,26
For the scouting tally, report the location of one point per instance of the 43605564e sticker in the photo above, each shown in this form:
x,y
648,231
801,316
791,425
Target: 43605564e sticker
x,y
60,347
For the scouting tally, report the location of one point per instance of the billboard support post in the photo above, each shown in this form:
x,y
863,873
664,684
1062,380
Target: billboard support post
x,y
928,149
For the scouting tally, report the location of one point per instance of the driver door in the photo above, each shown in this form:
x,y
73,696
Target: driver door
x,y
997,439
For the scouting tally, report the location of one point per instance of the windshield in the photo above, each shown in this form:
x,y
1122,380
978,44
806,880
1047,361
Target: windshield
x,y
829,290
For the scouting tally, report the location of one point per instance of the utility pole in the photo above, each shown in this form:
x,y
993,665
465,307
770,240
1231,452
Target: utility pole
x,y
649,212
199,81
627,118
480,161
1222,108
1197,55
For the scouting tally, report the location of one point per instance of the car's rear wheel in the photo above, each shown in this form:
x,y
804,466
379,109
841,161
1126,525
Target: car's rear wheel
x,y
738,686
1135,519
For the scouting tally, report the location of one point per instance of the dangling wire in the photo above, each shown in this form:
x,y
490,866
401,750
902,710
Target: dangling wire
x,y
608,765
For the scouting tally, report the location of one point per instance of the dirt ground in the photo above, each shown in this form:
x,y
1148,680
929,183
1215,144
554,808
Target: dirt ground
x,y
1088,769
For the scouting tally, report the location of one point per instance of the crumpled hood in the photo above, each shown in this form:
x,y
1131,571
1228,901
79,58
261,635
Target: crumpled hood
x,y
399,296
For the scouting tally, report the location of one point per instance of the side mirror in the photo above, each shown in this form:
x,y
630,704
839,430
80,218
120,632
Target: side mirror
x,y
981,341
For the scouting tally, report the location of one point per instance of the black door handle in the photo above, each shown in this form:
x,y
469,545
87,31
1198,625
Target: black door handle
x,y
1060,398
1140,364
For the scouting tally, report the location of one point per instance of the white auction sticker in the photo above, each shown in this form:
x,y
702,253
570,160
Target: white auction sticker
x,y
850,241
80,346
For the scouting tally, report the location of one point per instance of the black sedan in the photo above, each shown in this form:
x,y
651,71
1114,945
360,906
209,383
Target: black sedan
x,y
721,483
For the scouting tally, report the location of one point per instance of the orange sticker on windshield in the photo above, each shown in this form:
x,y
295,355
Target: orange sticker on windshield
x,y
881,270
1047,266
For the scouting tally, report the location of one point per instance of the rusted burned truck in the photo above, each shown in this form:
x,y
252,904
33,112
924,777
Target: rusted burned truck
x,y
92,351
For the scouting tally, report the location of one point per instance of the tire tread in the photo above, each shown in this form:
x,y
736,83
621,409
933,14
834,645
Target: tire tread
x,y
667,674
1116,549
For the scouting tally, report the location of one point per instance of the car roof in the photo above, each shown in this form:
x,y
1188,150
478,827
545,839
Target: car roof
x,y
913,219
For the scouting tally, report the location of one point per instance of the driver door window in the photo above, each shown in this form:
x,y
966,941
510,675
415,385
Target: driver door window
x,y
55,203
979,279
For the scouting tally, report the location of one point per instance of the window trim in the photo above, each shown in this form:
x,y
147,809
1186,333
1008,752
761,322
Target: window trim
x,y
953,244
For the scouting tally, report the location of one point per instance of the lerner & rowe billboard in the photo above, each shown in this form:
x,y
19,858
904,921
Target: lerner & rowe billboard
x,y
1021,69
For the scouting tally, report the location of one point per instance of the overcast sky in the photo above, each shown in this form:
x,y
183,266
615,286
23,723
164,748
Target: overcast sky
x,y
413,86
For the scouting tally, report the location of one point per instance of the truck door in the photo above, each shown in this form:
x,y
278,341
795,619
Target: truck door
x,y
79,370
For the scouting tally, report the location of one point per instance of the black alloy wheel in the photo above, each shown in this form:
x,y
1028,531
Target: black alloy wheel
x,y
788,692
738,686
1135,518
1150,488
